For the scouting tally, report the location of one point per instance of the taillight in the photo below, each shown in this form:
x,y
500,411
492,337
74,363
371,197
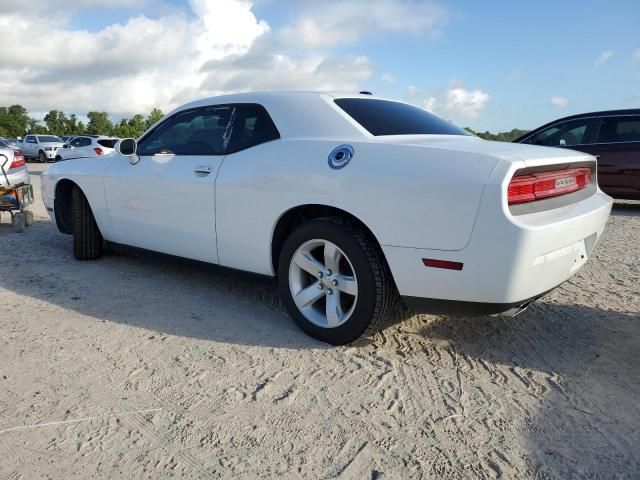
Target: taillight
x,y
536,186
18,160
98,151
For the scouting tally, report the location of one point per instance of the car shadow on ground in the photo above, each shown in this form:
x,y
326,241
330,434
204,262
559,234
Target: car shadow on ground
x,y
626,208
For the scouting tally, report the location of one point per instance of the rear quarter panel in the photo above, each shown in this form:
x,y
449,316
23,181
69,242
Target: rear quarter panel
x,y
408,195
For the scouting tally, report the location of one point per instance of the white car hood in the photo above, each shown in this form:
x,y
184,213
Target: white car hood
x,y
531,155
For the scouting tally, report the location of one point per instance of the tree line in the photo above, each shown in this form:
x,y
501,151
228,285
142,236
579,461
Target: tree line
x,y
15,122
500,137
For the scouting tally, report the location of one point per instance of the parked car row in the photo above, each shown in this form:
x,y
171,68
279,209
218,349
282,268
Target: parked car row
x,y
50,148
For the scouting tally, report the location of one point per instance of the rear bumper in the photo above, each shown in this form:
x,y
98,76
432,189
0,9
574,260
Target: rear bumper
x,y
509,260
458,308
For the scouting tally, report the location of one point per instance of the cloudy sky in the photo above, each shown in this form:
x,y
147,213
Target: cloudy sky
x,y
494,66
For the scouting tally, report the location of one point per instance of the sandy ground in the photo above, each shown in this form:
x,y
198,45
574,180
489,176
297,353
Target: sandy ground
x,y
149,367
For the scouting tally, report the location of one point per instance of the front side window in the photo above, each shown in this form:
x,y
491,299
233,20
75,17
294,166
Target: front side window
x,y
385,117
574,132
30,139
201,131
252,126
619,129
81,142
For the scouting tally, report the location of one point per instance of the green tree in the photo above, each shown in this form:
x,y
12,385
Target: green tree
x,y
155,115
34,126
99,123
56,122
14,121
501,136
130,127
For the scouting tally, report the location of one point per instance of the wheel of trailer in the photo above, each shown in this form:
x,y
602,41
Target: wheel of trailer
x,y
87,239
334,281
41,157
28,215
19,222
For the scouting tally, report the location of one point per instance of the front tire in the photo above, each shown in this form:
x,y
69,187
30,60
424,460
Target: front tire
x,y
87,239
334,281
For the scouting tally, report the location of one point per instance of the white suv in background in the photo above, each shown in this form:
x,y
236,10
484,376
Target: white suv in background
x,y
85,146
42,147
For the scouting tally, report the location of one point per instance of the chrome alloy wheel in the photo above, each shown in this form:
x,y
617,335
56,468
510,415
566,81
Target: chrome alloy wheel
x,y
323,283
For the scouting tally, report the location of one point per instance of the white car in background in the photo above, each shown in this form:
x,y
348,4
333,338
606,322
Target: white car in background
x,y
350,200
13,169
85,146
41,147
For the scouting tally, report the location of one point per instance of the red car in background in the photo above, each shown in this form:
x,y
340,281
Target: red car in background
x,y
613,137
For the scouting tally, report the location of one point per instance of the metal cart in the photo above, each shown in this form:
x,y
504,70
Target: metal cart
x,y
15,199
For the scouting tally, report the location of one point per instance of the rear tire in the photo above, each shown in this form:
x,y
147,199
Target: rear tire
x,y
41,157
364,294
87,239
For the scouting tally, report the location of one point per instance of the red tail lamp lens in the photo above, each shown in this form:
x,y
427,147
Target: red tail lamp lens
x,y
536,186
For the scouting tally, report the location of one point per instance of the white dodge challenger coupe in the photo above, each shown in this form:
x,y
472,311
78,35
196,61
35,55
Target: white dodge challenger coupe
x,y
350,200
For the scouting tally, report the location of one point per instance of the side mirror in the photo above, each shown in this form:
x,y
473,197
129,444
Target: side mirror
x,y
66,145
128,147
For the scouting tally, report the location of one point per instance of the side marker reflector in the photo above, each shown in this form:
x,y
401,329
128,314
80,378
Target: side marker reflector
x,y
432,262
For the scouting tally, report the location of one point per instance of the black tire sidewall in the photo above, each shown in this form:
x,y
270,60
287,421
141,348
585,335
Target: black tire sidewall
x,y
342,236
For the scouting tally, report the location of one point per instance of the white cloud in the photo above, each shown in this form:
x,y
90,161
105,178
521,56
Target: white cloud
x,y
604,57
338,22
133,66
559,102
388,78
453,103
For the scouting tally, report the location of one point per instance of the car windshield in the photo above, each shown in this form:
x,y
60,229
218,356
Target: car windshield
x,y
48,138
385,117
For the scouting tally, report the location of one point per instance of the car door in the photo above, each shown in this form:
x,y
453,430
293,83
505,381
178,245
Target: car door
x,y
165,201
29,146
617,147
75,148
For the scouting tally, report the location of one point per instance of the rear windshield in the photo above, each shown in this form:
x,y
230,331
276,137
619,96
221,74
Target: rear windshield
x,y
384,117
107,143
48,138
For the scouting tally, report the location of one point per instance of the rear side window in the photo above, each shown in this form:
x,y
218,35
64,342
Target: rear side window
x,y
384,117
619,129
252,126
107,143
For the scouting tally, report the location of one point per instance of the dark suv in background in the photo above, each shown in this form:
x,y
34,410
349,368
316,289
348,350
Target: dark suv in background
x,y
613,137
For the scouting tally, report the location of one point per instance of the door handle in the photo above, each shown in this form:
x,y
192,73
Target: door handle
x,y
203,169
